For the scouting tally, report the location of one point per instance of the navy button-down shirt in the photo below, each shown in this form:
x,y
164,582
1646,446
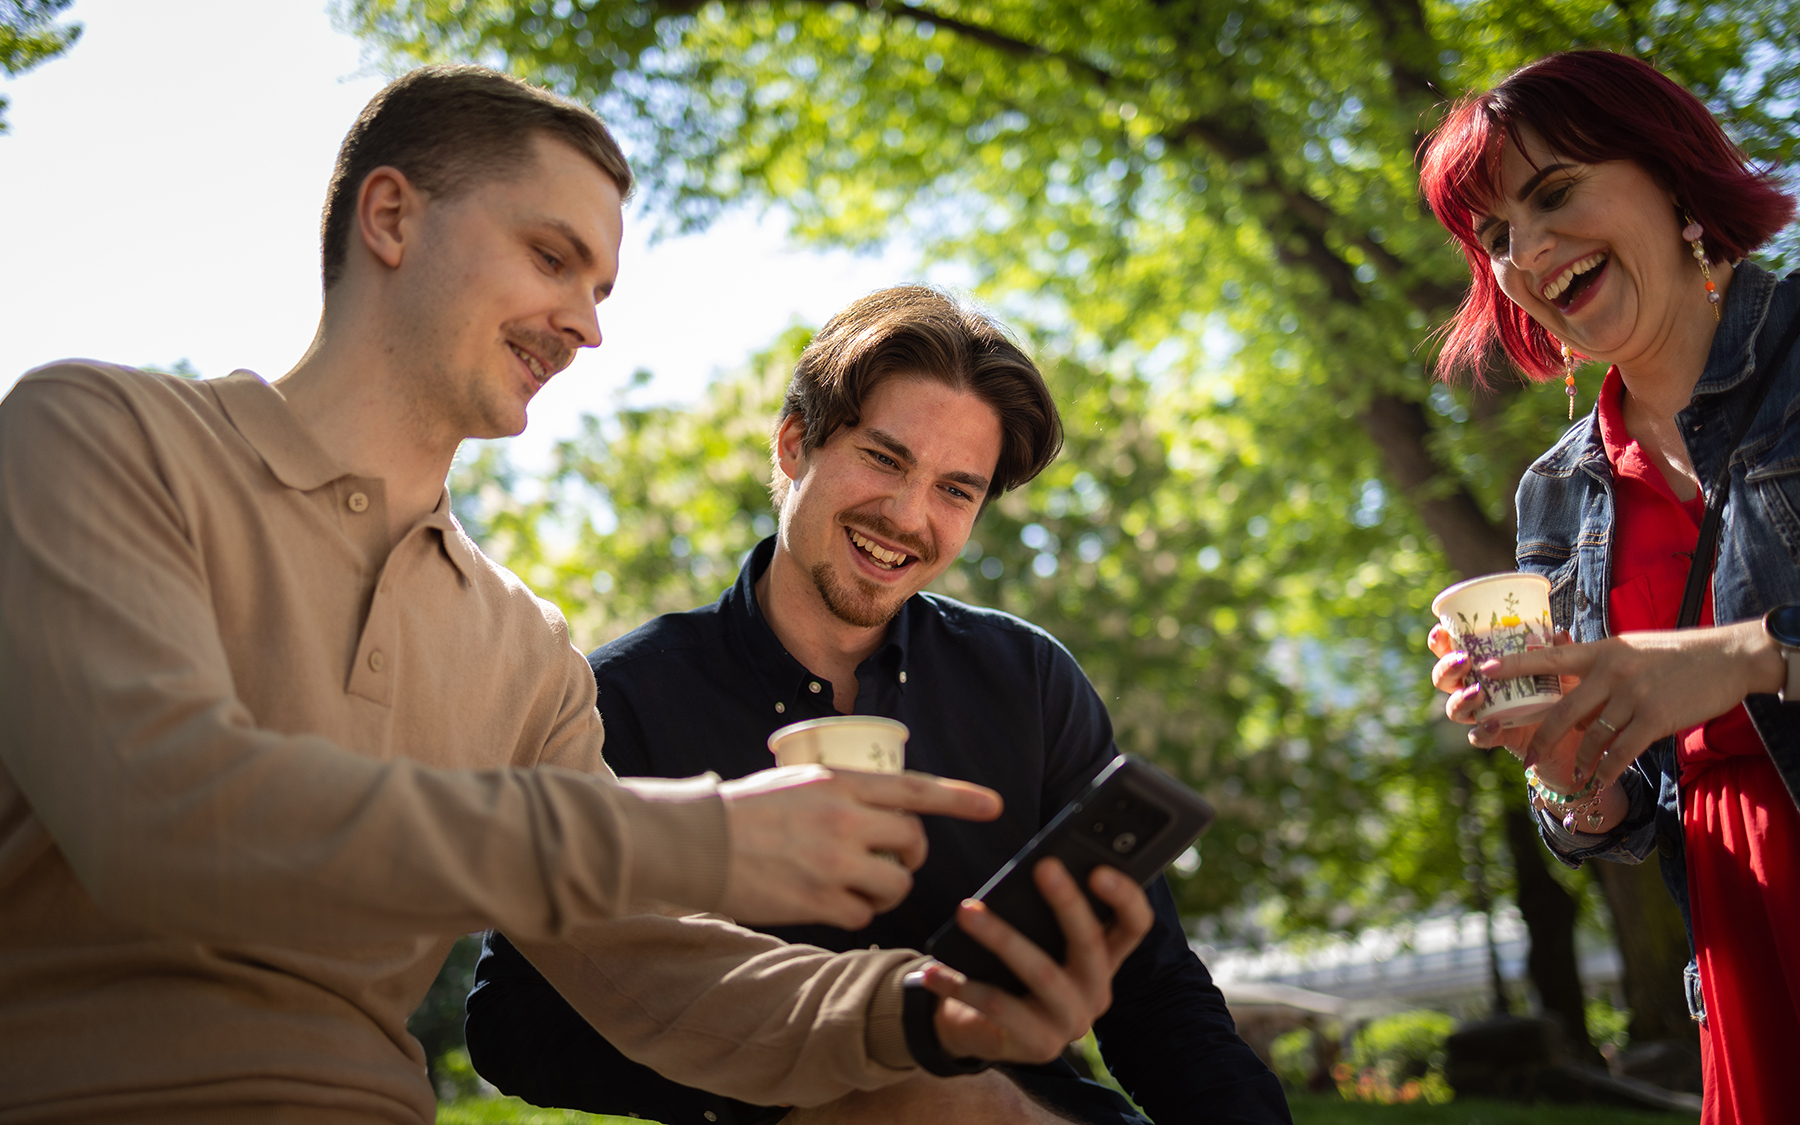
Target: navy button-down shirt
x,y
988,698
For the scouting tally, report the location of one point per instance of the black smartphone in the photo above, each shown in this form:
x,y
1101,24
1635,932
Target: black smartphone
x,y
1132,816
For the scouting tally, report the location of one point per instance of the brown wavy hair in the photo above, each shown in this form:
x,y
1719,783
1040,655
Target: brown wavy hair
x,y
916,331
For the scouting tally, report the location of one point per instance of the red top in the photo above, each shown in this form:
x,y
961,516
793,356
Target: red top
x,y
1742,830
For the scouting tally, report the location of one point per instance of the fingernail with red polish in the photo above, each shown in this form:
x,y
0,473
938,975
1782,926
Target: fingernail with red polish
x,y
1488,667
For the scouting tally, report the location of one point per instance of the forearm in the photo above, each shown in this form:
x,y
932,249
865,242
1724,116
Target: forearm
x,y
712,1005
526,1040
218,832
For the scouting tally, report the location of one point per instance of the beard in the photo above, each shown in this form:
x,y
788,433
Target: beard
x,y
852,606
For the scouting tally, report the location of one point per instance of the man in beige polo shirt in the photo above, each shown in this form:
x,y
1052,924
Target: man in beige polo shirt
x,y
273,730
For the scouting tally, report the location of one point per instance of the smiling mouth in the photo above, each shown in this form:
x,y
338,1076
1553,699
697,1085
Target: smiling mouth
x,y
538,370
879,555
1574,280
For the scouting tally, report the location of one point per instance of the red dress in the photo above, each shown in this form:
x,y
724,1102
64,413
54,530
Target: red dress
x,y
1742,830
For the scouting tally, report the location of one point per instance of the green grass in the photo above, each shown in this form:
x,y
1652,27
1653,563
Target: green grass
x,y
1309,1109
1329,1109
512,1111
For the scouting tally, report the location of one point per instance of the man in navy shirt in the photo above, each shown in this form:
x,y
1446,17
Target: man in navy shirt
x,y
906,415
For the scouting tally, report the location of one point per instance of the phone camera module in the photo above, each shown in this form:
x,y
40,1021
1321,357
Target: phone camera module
x,y
1124,842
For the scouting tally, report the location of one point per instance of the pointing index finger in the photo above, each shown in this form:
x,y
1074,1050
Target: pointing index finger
x,y
1563,660
923,793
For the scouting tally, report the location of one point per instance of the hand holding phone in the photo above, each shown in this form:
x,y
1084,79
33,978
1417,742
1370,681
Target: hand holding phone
x,y
1132,817
973,1020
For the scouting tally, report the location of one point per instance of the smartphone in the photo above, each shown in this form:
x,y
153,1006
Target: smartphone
x,y
1132,816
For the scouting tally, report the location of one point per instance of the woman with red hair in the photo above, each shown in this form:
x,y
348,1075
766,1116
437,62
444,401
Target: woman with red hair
x,y
1605,215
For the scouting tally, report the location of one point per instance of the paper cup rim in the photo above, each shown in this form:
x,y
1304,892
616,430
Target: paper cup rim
x,y
837,721
1466,584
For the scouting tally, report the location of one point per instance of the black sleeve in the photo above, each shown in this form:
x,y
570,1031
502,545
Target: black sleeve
x,y
1170,1041
527,1040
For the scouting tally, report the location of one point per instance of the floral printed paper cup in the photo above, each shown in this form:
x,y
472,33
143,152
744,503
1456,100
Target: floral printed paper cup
x,y
845,742
1500,615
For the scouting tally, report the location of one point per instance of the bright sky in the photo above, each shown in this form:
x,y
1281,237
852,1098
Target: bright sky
x,y
162,185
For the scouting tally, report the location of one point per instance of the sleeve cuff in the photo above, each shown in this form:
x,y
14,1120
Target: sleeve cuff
x,y
918,1016
884,1035
680,840
1630,841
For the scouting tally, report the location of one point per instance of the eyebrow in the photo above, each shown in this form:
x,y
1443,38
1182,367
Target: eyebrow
x,y
1533,182
1524,192
900,450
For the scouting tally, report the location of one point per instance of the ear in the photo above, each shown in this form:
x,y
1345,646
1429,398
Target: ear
x,y
789,457
384,204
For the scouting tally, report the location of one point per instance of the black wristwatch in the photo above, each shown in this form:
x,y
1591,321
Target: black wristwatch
x,y
1783,626
918,1018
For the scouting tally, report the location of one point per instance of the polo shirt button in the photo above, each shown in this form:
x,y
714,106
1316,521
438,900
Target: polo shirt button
x,y
710,1115
359,502
375,661
814,687
781,708
903,677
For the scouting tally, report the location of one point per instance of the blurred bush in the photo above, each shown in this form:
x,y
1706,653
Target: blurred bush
x,y
1398,1058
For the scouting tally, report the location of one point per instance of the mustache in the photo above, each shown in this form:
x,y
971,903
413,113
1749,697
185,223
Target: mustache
x,y
547,346
881,527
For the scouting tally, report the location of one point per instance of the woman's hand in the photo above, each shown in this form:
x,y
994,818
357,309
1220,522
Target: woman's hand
x,y
1454,675
1636,688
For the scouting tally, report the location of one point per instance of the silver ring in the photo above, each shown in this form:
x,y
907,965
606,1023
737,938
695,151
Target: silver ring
x,y
1602,722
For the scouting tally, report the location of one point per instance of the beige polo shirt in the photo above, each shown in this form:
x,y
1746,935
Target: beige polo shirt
x,y
259,765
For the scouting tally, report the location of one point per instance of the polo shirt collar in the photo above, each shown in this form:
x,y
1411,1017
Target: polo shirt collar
x,y
457,544
263,417
777,666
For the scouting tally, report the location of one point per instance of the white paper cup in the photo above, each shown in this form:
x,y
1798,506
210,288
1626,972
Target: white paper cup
x,y
1501,615
846,742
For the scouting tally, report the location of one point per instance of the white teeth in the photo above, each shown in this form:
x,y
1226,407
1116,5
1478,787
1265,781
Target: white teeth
x,y
879,553
1564,279
537,369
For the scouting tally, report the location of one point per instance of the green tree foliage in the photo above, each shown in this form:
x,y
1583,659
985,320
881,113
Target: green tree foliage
x,y
1209,211
29,35
1125,550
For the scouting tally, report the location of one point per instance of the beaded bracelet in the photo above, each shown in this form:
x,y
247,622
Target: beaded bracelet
x,y
1585,801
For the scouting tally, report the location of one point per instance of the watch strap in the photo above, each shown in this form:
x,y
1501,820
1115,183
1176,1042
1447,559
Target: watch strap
x,y
1776,623
918,1018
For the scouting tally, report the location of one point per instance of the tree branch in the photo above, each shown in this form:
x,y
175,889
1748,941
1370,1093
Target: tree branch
x,y
1471,542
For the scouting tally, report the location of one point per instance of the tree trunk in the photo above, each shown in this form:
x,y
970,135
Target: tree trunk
x,y
1653,946
1550,916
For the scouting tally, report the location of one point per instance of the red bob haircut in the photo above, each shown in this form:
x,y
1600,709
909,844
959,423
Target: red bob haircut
x,y
1591,106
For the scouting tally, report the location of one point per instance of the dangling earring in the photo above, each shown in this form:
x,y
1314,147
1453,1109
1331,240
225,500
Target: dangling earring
x,y
1691,233
1569,377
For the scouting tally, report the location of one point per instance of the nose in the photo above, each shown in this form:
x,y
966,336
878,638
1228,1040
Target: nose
x,y
906,508
1528,244
579,324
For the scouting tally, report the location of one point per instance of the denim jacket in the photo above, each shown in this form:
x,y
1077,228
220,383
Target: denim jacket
x,y
1565,506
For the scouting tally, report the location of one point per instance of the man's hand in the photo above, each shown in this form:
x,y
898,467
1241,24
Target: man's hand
x,y
980,1021
804,838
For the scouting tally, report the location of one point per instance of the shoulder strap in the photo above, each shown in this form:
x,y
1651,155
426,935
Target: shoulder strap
x,y
1699,573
